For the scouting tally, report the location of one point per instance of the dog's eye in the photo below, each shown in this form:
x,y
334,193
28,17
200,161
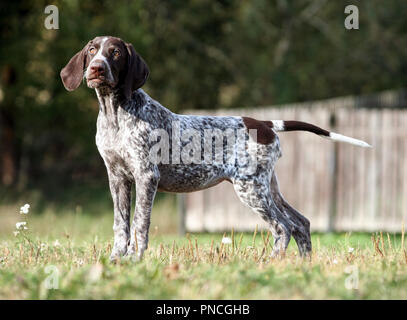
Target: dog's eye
x,y
92,50
116,53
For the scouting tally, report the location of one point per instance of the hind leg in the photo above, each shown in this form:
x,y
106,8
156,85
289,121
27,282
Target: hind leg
x,y
255,193
301,225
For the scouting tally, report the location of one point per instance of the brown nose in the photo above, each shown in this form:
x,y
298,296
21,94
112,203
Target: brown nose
x,y
97,68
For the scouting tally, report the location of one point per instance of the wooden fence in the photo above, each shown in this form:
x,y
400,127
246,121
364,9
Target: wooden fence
x,y
339,187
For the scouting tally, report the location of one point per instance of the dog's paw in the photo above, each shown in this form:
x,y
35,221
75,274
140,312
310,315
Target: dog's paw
x,y
133,255
116,255
115,258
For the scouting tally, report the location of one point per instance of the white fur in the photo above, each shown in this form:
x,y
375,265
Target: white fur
x,y
338,137
278,125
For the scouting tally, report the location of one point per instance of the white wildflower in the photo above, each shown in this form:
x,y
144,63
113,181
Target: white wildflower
x,y
16,233
350,250
56,243
226,240
335,261
25,209
21,225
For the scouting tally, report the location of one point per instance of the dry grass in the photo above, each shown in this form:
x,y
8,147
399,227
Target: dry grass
x,y
203,267
73,247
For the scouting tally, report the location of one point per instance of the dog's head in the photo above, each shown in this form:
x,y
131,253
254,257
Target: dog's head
x,y
106,62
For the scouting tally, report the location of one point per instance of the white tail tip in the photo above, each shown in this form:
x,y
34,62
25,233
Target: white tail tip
x,y
338,137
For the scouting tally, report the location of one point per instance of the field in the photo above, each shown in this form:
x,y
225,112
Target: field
x,y
65,256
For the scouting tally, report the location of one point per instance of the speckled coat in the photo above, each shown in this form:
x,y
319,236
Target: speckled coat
x,y
123,140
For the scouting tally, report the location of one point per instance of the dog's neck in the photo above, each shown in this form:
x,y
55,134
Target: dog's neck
x,y
109,103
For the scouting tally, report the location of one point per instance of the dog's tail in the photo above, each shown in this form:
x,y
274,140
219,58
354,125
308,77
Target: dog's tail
x,y
282,125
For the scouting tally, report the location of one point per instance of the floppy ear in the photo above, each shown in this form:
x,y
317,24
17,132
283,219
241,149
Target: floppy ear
x,y
137,72
72,74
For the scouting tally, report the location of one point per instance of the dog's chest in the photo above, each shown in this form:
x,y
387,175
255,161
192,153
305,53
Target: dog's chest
x,y
120,142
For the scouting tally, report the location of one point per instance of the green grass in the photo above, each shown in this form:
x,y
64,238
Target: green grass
x,y
77,244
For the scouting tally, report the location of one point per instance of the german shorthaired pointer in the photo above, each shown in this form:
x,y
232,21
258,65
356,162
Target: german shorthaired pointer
x,y
127,126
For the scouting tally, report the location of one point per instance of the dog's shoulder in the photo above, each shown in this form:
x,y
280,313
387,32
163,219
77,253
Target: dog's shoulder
x,y
149,110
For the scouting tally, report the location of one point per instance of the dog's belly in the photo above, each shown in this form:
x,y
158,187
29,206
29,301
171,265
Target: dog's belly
x,y
189,178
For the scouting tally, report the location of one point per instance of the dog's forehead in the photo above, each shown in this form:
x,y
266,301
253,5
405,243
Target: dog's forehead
x,y
115,42
107,41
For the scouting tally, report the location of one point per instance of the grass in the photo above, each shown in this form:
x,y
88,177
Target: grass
x,y
70,251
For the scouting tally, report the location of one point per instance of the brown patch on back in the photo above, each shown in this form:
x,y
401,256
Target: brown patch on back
x,y
265,135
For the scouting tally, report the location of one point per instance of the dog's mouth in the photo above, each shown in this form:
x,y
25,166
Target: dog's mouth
x,y
97,81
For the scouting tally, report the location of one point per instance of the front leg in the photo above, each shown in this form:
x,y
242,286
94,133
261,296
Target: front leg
x,y
146,188
120,188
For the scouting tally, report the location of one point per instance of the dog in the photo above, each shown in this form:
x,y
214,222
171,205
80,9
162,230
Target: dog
x,y
129,125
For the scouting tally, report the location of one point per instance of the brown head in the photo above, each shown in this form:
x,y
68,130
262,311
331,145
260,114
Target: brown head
x,y
106,62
